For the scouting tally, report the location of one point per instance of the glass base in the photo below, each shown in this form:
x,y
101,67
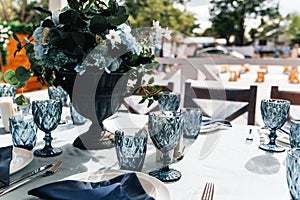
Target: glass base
x,y
171,175
47,152
271,148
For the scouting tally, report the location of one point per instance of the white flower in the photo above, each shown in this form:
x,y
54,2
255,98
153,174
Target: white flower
x,y
114,37
167,34
156,24
158,29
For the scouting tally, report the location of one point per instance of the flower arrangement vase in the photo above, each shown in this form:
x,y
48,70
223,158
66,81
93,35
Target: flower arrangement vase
x,y
95,96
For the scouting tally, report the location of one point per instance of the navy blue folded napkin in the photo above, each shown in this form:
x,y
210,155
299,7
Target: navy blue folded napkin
x,y
123,187
5,158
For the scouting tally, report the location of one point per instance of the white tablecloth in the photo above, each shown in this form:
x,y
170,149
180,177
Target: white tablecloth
x,y
239,170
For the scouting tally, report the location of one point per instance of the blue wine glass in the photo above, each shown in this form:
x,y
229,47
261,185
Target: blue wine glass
x,y
165,131
47,114
274,113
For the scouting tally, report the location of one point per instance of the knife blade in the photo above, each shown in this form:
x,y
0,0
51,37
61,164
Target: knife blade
x,y
32,173
49,172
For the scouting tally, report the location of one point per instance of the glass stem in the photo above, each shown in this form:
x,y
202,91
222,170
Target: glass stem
x,y
48,140
272,137
166,159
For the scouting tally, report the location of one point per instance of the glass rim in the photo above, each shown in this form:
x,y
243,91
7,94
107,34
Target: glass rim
x,y
278,101
165,112
132,132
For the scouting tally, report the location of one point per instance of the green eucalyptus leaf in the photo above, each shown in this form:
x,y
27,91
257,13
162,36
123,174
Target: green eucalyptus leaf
x,y
68,17
150,102
22,100
21,84
16,37
10,77
117,20
22,74
74,4
48,23
98,24
151,80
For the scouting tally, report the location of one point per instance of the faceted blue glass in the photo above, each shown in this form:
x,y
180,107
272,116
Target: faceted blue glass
x,y
293,172
23,131
7,90
169,101
47,114
76,117
192,122
274,113
165,130
295,133
131,147
58,93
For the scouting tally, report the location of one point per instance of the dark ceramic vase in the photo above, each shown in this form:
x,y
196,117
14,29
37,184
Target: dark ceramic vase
x,y
95,96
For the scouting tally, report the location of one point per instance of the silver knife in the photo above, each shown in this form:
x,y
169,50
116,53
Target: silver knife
x,y
49,172
29,174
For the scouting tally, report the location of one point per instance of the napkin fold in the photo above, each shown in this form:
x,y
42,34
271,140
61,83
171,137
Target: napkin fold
x,y
5,159
123,187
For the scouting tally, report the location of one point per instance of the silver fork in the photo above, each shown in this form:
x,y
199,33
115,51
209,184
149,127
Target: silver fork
x,y
208,192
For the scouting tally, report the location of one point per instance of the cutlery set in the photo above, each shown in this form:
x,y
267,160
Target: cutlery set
x,y
40,172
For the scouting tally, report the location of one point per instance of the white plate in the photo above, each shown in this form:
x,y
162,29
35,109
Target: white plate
x,y
284,139
119,121
151,185
20,159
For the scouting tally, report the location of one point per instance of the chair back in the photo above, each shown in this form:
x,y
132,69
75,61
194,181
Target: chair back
x,y
155,107
292,96
247,96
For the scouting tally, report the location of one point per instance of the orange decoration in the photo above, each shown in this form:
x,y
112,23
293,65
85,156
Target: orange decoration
x,y
20,60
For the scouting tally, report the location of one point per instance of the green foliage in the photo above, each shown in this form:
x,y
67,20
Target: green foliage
x,y
142,13
21,100
228,17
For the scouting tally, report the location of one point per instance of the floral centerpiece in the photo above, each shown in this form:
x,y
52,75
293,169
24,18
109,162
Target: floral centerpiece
x,y
91,37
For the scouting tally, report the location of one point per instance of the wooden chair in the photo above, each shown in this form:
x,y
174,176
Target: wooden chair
x,y
292,96
247,96
131,109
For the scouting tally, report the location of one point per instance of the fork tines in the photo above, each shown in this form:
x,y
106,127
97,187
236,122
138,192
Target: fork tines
x,y
208,192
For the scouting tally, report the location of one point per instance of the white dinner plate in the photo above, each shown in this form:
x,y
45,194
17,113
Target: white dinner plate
x,y
20,159
128,121
151,185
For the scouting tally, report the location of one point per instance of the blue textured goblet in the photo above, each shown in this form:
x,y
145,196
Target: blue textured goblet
x,y
293,172
46,114
165,131
131,147
274,113
7,90
169,101
58,93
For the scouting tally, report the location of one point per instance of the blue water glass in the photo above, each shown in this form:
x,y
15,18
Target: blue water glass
x,y
274,113
165,130
131,147
58,93
295,133
23,131
192,122
76,117
46,115
169,101
293,172
7,90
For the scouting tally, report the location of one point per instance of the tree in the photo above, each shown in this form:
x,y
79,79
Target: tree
x,y
229,16
143,12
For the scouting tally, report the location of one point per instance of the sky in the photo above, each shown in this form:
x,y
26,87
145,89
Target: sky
x,y
201,9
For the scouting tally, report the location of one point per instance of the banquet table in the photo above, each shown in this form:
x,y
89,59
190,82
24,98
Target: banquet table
x,y
239,169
